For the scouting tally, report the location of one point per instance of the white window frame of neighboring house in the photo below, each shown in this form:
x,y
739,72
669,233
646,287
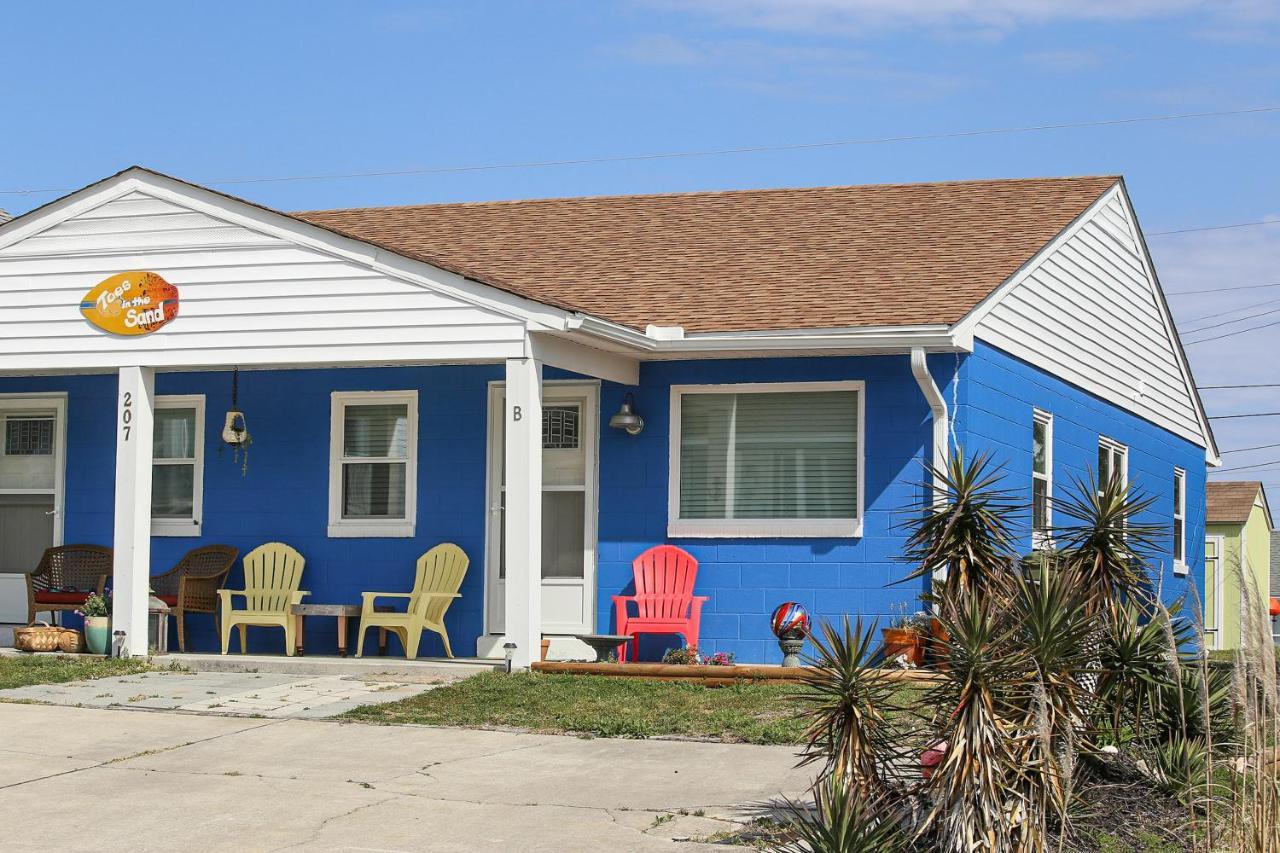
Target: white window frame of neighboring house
x,y
1218,561
711,528
1114,449
1180,521
340,527
184,526
1039,417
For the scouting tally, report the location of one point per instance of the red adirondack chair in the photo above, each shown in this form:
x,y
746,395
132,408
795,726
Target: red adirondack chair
x,y
664,599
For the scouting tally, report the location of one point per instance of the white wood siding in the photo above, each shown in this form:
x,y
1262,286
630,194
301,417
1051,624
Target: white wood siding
x,y
247,297
1088,312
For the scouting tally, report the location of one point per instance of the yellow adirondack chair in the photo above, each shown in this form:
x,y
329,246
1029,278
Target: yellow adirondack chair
x,y
440,574
272,573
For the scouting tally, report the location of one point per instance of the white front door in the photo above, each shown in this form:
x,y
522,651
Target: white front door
x,y
569,434
32,437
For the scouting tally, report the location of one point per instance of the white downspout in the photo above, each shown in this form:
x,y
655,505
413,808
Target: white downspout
x,y
937,405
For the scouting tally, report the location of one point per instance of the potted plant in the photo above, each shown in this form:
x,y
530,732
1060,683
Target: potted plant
x,y
96,611
905,637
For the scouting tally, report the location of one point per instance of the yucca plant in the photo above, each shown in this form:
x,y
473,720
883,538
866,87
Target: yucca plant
x,y
1104,543
843,820
1133,672
850,733
966,531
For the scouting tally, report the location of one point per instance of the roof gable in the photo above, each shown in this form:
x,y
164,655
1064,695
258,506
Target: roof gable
x,y
1088,308
1232,502
820,258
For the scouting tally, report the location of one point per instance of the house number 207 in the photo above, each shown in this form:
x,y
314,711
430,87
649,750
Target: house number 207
x,y
126,414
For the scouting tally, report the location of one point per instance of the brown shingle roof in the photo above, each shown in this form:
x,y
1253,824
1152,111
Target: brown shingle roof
x,y
1230,503
885,255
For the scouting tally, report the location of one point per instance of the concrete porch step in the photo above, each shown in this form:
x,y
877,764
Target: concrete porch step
x,y
382,668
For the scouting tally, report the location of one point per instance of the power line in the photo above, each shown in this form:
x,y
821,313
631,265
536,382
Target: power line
x,y
1230,322
1247,467
1221,289
1244,449
716,152
1231,311
1258,385
1236,332
1213,227
1245,415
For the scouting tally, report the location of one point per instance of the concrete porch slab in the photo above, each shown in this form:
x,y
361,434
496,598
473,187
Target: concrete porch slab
x,y
423,670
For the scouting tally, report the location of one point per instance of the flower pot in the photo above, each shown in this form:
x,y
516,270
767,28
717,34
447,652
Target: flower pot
x,y
97,634
903,642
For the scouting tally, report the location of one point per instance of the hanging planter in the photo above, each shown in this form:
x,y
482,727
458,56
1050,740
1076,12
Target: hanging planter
x,y
235,430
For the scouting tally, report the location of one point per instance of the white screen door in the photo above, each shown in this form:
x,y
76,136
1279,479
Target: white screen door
x,y
31,471
569,426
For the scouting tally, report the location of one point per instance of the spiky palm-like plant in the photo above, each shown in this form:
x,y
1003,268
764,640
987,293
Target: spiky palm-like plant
x,y
1105,544
966,531
843,820
850,704
1134,674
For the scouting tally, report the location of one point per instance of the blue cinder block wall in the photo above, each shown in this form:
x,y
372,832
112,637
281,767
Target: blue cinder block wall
x,y
284,495
747,578
995,398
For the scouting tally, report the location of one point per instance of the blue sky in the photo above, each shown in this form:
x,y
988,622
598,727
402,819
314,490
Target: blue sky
x,y
236,90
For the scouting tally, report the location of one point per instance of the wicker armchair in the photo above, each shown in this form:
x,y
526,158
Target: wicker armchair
x,y
192,585
65,577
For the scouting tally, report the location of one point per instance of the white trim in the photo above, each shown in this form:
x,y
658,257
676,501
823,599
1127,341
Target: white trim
x,y
1180,514
554,392
703,528
183,526
1115,447
1219,562
1042,539
340,527
44,401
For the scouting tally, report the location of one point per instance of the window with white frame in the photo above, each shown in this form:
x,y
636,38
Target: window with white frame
x,y
1113,461
1179,521
373,463
1041,477
766,459
177,466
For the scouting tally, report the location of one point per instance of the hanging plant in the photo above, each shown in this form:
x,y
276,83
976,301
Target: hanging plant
x,y
235,431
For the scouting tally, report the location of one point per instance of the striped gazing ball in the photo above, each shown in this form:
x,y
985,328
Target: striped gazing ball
x,y
790,619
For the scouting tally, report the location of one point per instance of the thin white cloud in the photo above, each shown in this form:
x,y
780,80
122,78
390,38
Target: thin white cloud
x,y
984,14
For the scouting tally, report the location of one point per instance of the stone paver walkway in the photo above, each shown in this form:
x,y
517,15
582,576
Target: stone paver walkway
x,y
251,694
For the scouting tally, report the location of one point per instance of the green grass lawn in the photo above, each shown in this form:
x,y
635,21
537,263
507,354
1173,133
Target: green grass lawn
x,y
49,669
606,707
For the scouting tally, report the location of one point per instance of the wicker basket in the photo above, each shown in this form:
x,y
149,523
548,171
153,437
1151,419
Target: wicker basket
x,y
38,637
71,642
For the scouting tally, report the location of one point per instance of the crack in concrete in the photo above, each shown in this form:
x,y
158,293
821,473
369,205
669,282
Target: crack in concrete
x,y
315,833
110,761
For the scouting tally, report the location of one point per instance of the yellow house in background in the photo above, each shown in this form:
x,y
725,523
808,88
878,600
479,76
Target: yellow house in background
x,y
1237,545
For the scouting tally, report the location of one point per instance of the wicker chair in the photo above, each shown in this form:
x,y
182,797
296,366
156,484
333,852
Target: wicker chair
x,y
65,577
192,585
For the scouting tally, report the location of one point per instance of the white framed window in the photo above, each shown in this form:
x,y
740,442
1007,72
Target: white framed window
x,y
1041,478
373,463
1113,461
1179,521
177,466
781,459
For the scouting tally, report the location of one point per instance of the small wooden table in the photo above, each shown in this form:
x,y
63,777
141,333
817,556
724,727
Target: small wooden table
x,y
342,611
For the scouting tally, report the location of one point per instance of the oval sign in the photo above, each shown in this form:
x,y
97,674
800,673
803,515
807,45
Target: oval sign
x,y
131,303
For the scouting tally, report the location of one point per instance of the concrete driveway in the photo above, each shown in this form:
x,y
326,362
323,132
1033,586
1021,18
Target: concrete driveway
x,y
93,779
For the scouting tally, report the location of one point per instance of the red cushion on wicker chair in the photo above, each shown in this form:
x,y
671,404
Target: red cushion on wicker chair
x,y
171,600
61,597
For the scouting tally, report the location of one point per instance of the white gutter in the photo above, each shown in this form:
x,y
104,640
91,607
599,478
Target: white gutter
x,y
937,405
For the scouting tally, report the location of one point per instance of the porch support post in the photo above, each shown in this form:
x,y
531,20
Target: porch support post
x,y
523,537
135,425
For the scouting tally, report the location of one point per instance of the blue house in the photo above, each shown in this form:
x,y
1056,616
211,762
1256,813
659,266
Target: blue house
x,y
423,374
